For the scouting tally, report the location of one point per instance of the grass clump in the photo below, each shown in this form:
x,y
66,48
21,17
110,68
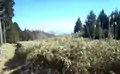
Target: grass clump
x,y
68,55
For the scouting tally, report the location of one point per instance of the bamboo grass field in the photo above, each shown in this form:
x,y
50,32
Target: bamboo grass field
x,y
64,55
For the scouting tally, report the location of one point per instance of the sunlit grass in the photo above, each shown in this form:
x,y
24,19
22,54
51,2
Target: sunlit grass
x,y
79,54
7,52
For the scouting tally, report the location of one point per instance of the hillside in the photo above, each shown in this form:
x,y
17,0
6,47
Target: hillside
x,y
64,55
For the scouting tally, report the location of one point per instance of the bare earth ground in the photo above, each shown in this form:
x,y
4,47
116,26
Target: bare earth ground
x,y
7,52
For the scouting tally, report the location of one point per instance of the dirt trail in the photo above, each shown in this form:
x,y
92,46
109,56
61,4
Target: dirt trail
x,y
7,53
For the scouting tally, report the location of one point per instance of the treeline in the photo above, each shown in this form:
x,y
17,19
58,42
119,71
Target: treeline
x,y
14,34
10,31
103,26
33,34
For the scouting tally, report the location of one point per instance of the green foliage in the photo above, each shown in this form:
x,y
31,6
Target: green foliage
x,y
103,27
12,35
78,26
115,21
91,24
9,8
103,19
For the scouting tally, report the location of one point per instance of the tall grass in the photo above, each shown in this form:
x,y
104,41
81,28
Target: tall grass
x,y
69,55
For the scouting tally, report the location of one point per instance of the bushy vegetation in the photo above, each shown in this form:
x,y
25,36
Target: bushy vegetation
x,y
69,55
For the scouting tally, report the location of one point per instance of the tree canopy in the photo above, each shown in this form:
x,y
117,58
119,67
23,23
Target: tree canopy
x,y
103,26
78,26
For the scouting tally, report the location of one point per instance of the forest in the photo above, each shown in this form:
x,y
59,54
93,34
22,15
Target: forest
x,y
101,26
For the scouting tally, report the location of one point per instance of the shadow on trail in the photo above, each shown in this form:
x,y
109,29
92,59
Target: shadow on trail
x,y
17,61
41,64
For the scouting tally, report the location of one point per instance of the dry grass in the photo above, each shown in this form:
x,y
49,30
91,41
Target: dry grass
x,y
7,53
73,55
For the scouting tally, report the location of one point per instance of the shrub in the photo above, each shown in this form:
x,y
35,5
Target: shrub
x,y
72,55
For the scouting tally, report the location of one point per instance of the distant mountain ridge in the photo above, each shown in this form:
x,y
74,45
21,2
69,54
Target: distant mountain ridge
x,y
34,34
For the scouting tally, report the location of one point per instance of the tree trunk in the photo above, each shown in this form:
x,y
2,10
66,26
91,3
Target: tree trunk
x,y
1,33
109,29
4,32
94,32
88,31
116,30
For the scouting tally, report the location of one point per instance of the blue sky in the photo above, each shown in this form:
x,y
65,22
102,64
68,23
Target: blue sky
x,y
58,16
